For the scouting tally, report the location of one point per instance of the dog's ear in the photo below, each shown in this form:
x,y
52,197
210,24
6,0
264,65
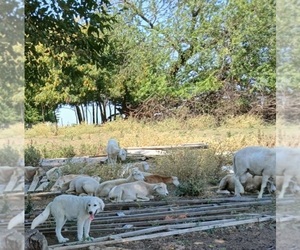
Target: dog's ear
x,y
101,204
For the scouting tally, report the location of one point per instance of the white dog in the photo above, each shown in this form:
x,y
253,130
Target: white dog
x,y
83,185
70,207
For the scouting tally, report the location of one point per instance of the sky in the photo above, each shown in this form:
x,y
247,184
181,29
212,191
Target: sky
x,y
67,116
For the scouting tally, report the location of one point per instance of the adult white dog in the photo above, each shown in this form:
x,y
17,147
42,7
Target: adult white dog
x,y
70,207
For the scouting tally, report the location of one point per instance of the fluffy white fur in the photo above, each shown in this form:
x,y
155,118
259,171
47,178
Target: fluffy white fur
x,y
255,160
70,207
137,191
251,185
106,186
18,219
114,151
142,166
83,185
287,165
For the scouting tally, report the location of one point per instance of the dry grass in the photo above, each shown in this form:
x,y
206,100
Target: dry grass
x,y
13,136
197,169
91,140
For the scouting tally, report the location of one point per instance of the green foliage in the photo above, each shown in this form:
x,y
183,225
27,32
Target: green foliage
x,y
29,205
12,59
32,156
213,57
191,188
9,156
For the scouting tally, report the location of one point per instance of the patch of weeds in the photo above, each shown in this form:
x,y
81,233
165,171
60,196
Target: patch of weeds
x,y
61,152
155,223
5,208
211,230
29,206
67,151
32,156
87,149
191,188
9,156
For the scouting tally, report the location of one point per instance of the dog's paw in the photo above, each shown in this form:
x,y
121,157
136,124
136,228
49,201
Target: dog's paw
x,y
89,238
63,240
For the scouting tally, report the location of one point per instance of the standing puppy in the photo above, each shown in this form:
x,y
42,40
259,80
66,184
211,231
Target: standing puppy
x,y
70,207
114,151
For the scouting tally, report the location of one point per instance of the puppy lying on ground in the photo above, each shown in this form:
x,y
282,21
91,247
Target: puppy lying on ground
x,y
70,207
83,185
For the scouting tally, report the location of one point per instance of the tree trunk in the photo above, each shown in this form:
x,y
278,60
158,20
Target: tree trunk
x,y
97,117
83,113
86,114
79,115
115,111
93,113
110,115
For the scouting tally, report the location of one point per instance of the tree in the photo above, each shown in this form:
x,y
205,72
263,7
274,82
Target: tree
x,y
220,53
61,36
215,57
11,63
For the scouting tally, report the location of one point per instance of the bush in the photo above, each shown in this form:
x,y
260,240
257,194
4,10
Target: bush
x,y
191,188
9,156
195,169
32,156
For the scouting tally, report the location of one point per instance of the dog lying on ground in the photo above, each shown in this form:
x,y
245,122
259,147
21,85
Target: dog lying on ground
x,y
70,207
83,185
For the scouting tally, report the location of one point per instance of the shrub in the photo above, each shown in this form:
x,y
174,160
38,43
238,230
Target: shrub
x,y
191,188
32,156
9,156
196,169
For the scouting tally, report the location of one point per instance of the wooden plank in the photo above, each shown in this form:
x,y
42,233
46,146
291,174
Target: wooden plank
x,y
167,147
2,187
19,187
11,184
43,194
34,184
145,152
57,162
42,187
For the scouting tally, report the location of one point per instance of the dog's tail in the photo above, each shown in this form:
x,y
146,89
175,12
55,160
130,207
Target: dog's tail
x,y
42,217
18,219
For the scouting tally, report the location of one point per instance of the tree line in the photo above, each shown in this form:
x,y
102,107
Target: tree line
x,y
148,59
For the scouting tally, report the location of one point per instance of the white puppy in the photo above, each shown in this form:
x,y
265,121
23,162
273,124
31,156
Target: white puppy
x,y
70,207
83,185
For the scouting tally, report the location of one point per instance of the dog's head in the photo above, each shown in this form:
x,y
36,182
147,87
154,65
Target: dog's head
x,y
94,205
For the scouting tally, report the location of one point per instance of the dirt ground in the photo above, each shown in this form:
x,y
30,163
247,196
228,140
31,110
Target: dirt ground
x,y
253,236
261,236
